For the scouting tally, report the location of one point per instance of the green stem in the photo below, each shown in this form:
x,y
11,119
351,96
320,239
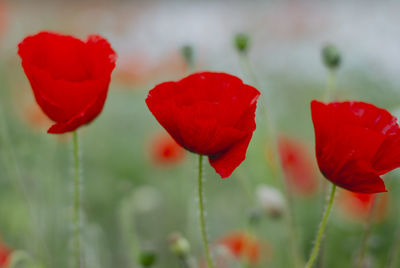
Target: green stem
x,y
128,230
314,253
330,85
18,182
329,92
278,173
202,214
393,253
368,225
246,65
77,204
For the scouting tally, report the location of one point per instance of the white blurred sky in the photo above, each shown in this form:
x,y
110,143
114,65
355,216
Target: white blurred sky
x,y
287,35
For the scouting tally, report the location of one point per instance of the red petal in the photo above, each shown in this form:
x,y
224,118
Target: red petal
x,y
388,156
85,117
208,113
225,163
68,76
343,135
359,176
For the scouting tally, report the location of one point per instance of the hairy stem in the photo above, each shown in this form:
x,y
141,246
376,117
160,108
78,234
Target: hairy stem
x,y
320,234
77,204
202,214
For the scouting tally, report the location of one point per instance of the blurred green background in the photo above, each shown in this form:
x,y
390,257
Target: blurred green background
x,y
126,192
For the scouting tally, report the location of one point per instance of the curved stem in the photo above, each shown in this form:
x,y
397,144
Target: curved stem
x,y
278,172
314,253
368,225
202,214
77,204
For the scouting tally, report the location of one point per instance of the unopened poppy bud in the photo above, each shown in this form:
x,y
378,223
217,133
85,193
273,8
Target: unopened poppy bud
x,y
242,41
255,216
147,258
271,201
188,54
331,56
179,245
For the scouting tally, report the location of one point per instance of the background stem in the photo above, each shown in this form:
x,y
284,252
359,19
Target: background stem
x,y
277,172
367,232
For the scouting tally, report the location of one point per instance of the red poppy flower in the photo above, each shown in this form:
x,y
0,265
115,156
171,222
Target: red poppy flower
x,y
358,206
210,114
242,245
297,165
356,142
5,254
69,77
164,150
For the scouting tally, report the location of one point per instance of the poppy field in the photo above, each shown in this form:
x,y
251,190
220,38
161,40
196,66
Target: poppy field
x,y
199,135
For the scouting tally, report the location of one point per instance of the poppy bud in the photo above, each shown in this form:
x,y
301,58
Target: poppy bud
x,y
179,245
255,216
188,54
331,56
147,258
271,201
242,41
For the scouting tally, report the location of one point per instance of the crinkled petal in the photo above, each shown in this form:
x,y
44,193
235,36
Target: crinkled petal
x,y
360,177
388,156
225,162
84,117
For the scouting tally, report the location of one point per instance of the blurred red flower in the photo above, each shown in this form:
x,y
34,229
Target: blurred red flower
x,y
242,245
210,114
358,206
356,142
164,150
69,77
5,254
297,165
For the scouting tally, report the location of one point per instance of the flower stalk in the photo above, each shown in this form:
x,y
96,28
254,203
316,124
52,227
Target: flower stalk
x,y
202,214
77,204
242,45
314,252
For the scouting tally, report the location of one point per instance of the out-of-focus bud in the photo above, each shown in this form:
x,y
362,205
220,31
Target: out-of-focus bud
x,y
188,54
147,258
271,201
331,56
146,198
255,216
179,245
242,42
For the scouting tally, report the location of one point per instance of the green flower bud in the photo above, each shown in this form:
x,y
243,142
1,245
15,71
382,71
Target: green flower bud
x,y
255,216
188,54
331,56
241,42
147,258
179,245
